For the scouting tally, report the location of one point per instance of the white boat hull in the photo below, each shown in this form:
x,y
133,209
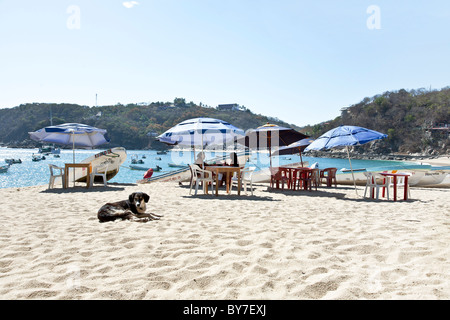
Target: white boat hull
x,y
418,177
115,157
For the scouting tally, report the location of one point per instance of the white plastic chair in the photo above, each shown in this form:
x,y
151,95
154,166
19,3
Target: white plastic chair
x,y
246,177
372,183
99,171
54,175
198,176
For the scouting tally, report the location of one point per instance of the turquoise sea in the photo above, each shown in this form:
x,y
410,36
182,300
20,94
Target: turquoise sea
x,y
30,173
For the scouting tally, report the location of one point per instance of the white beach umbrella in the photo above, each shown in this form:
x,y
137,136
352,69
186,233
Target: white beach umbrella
x,y
75,134
201,132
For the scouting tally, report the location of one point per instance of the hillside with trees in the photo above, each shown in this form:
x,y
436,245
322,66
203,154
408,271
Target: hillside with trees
x,y
416,121
132,126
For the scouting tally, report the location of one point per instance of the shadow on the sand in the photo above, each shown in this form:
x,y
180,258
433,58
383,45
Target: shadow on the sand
x,y
335,193
114,186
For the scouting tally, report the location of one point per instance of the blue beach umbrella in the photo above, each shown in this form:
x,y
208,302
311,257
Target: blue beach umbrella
x,y
74,134
345,136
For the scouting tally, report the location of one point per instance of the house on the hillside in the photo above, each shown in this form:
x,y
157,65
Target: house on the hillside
x,y
228,107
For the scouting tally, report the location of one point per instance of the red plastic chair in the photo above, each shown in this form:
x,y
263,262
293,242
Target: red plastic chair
x,y
277,176
329,174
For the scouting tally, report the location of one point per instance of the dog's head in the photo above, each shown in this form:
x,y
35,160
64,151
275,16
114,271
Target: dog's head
x,y
139,199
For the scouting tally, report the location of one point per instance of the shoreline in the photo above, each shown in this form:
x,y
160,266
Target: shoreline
x,y
324,244
441,160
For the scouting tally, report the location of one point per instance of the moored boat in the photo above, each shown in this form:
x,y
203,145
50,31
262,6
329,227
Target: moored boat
x,y
114,157
37,157
174,165
12,161
142,168
4,168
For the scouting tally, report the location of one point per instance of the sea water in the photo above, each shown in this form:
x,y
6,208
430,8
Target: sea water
x,y
31,173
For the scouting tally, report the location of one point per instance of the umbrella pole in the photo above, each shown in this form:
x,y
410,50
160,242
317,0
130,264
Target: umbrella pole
x,y
73,156
354,182
300,152
269,138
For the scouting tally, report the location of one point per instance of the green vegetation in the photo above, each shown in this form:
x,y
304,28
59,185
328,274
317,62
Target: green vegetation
x,y
130,126
405,116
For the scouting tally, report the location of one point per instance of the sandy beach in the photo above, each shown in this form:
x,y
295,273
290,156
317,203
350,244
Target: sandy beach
x,y
324,244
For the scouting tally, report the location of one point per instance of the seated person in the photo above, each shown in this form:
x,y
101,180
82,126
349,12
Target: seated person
x,y
200,161
233,163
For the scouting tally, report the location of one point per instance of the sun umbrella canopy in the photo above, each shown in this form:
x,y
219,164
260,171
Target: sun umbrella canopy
x,y
201,132
345,136
270,136
293,148
75,134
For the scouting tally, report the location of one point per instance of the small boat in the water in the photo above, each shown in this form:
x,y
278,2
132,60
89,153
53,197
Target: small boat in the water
x,y
12,161
354,170
174,165
161,152
135,160
142,168
37,157
4,168
49,149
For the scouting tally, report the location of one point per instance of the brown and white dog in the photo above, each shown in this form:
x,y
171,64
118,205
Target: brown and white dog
x,y
132,209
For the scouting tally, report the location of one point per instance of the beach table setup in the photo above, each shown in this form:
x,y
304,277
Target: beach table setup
x,y
75,134
292,176
85,166
271,136
345,136
228,171
395,178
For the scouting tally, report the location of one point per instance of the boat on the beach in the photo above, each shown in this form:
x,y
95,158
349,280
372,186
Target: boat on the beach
x,y
114,157
4,168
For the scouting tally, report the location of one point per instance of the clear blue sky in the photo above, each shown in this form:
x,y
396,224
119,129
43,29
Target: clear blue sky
x,y
300,61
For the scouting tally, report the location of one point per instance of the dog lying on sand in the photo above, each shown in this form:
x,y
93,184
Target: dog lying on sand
x,y
132,209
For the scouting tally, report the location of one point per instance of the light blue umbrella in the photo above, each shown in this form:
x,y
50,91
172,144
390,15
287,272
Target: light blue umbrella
x,y
345,136
75,134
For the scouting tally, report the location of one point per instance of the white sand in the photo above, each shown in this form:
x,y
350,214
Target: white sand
x,y
325,244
